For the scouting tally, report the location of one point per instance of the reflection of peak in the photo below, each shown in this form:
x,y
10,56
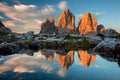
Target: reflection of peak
x,y
48,54
86,58
66,60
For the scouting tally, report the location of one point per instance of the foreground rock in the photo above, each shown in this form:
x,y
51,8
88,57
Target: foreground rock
x,y
8,48
88,24
66,22
108,45
29,35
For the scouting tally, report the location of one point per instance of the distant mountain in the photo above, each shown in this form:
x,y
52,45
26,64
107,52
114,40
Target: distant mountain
x,y
88,24
48,27
3,28
66,22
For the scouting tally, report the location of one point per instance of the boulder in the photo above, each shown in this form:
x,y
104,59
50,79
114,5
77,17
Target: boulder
x,y
94,39
20,36
66,22
88,24
61,35
8,48
106,45
29,35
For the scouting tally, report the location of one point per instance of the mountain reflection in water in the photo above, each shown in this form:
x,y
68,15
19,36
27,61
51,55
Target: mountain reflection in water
x,y
59,65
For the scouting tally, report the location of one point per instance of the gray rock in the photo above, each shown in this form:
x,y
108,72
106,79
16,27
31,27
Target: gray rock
x,y
106,46
8,48
100,29
110,32
29,35
61,35
94,39
20,36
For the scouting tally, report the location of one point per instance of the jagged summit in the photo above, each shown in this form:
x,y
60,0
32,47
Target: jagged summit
x,y
87,24
66,21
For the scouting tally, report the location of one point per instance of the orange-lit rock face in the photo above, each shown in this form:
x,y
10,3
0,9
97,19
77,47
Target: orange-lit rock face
x,y
66,20
66,60
87,24
86,58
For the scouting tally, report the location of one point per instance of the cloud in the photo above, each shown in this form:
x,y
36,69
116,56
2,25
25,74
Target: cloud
x,y
22,7
98,14
62,5
61,73
47,9
9,24
1,17
78,17
25,63
26,17
17,1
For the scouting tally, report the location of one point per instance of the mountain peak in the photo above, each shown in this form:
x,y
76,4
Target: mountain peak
x,y
87,24
66,21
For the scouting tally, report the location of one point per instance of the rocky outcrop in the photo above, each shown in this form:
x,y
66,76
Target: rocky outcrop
x,y
108,45
86,58
88,24
3,28
66,22
48,27
66,60
61,35
100,29
110,32
8,48
29,34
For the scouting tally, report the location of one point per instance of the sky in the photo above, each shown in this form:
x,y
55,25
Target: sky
x,y
26,15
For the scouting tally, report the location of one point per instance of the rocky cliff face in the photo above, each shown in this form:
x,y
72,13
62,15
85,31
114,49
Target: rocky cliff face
x,y
48,27
66,60
66,22
100,28
3,28
86,58
88,24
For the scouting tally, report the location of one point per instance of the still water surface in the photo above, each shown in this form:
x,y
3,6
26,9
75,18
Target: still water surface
x,y
58,65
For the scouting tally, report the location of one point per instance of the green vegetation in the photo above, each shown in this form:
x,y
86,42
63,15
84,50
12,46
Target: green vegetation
x,y
72,37
116,37
85,44
4,37
102,36
3,33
